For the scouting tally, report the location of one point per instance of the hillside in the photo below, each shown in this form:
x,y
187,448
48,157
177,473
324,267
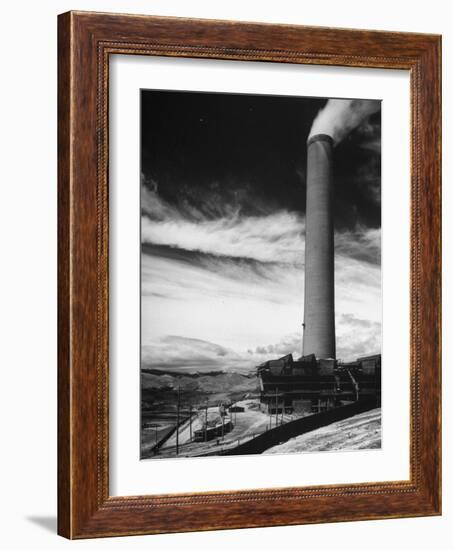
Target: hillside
x,y
362,431
208,382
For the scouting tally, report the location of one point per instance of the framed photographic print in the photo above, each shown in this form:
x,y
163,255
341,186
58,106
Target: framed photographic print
x,y
249,275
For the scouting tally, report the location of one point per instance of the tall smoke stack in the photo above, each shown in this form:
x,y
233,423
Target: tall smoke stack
x,y
333,123
319,309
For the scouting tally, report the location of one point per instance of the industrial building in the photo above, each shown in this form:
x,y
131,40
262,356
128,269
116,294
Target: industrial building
x,y
213,429
312,385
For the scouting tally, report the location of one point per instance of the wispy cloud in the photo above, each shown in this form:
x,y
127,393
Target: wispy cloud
x,y
220,300
269,238
273,238
357,337
361,244
290,343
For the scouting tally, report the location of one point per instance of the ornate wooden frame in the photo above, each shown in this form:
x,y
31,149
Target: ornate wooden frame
x,y
85,41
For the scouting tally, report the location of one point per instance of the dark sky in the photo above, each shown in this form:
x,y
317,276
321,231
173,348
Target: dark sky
x,y
212,152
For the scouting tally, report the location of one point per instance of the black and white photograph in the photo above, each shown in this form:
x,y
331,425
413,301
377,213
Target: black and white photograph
x,y
260,274
219,221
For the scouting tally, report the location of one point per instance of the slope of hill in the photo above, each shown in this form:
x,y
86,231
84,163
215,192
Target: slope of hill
x,y
362,431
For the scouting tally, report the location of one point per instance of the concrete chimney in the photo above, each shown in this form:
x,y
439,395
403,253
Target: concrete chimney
x,y
319,309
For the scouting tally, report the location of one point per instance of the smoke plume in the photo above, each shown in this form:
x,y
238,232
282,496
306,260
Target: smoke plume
x,y
341,116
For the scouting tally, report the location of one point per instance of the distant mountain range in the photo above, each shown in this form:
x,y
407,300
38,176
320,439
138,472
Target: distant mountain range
x,y
205,382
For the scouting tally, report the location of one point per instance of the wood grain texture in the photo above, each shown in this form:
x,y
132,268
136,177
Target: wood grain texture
x,y
86,40
64,370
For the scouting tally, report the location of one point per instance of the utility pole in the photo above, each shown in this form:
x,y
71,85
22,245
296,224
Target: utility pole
x,y
177,420
190,421
276,407
206,422
269,408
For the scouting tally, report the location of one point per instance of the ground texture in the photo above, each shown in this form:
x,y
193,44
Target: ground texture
x,y
362,431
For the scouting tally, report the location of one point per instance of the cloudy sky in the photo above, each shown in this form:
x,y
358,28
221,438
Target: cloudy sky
x,y
223,229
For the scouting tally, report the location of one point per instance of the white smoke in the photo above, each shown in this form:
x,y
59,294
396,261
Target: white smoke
x,y
341,116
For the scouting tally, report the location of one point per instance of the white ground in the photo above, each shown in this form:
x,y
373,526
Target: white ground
x,y
362,431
